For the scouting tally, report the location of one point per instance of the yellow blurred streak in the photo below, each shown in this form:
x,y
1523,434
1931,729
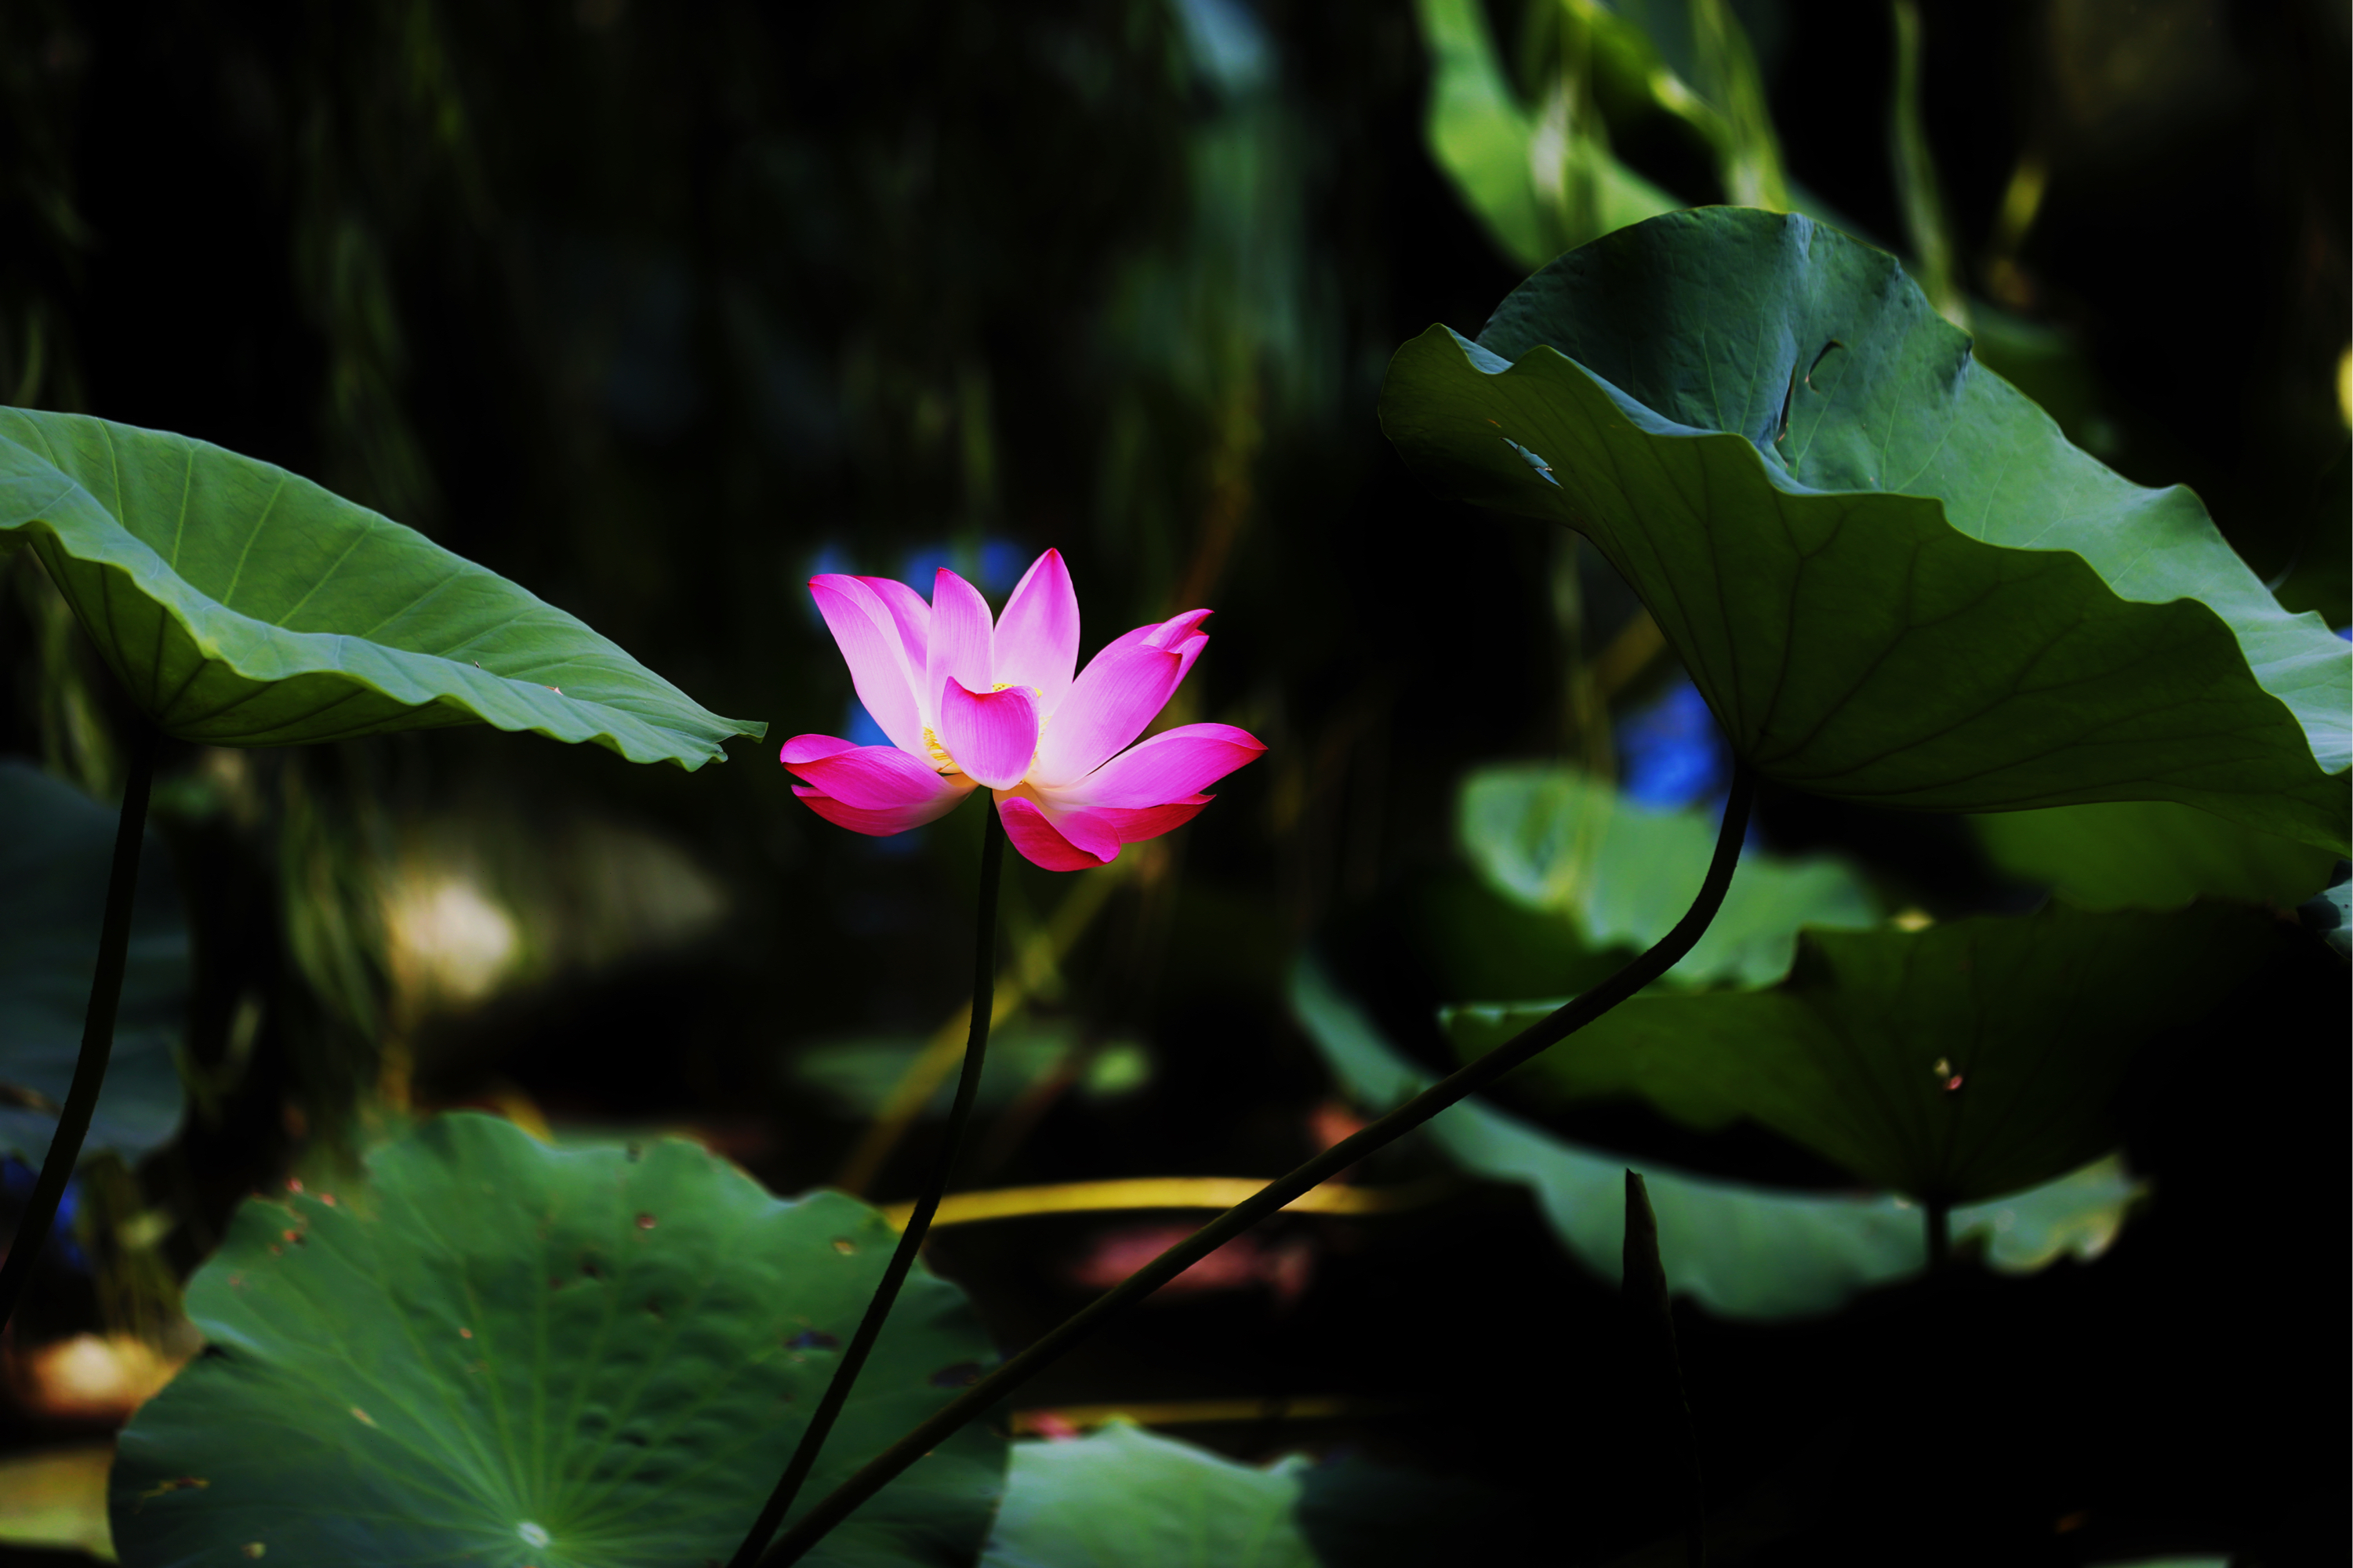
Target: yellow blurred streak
x,y
1038,959
1171,1193
511,1100
2345,385
54,1499
1628,653
1198,1412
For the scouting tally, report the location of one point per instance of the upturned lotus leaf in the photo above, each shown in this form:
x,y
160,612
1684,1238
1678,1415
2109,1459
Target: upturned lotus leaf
x,y
243,605
1890,574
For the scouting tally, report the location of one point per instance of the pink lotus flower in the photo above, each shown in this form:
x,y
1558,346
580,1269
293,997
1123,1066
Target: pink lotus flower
x,y
967,703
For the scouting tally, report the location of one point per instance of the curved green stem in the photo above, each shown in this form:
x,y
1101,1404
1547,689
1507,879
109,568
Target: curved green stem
x,y
96,1029
1528,1043
910,1240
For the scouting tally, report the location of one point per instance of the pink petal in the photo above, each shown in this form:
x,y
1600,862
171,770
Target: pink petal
x,y
908,613
1040,844
880,669
866,778
1121,691
1175,629
880,823
992,735
1038,635
1134,826
960,640
1165,768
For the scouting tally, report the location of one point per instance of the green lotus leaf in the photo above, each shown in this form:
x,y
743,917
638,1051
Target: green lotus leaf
x,y
1553,839
1126,1497
2150,855
243,605
54,861
1122,1498
1891,576
1741,1251
1954,1064
501,1353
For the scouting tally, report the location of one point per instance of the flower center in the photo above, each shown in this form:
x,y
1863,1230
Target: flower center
x,y
939,752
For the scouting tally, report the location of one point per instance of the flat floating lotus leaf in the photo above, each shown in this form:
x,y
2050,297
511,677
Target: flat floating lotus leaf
x,y
1891,576
1957,1063
1126,1497
505,1354
1122,1498
243,605
54,860
1553,839
1741,1251
2150,855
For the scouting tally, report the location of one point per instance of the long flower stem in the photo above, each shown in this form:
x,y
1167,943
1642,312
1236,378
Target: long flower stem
x,y
910,1240
96,1029
1522,1048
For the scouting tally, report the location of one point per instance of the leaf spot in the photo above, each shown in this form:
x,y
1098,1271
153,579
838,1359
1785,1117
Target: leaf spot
x,y
465,1333
365,1419
844,1245
177,1484
812,1339
254,1548
645,1222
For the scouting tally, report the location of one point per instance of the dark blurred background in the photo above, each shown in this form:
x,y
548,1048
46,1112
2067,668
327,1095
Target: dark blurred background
x,y
659,310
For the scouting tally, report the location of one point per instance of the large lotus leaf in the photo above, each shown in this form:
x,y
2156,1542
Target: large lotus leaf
x,y
243,605
1554,838
1122,1498
505,1354
1741,1251
53,872
1954,1064
1890,574
2150,855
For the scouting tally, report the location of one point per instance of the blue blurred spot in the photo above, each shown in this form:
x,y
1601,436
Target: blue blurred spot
x,y
1671,753
2345,632
18,1179
859,728
1229,43
1000,566
923,563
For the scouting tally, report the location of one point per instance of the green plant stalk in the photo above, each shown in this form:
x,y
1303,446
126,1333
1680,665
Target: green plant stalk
x,y
96,1029
910,1240
813,1526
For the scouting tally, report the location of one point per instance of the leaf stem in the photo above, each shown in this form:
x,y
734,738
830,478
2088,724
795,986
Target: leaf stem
x,y
910,1240
97,1030
1528,1043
